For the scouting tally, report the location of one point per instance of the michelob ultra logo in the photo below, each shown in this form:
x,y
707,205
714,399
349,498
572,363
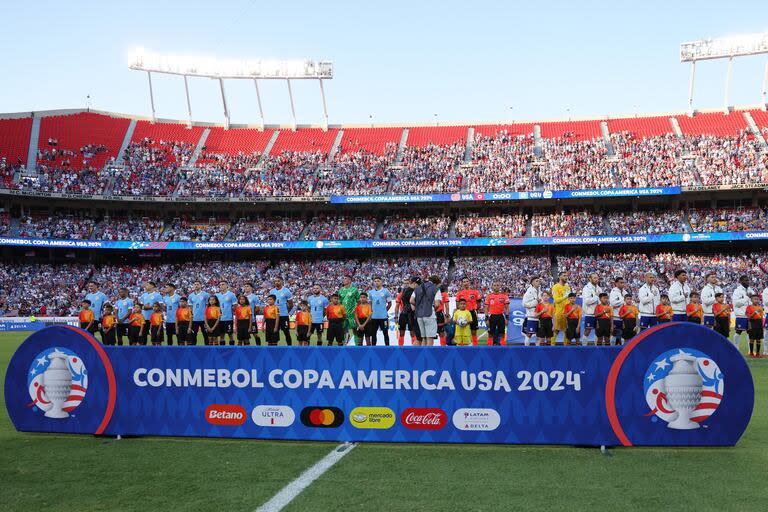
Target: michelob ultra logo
x,y
372,417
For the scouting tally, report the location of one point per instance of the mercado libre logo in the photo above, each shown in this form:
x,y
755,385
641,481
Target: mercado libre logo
x,y
322,417
57,381
683,387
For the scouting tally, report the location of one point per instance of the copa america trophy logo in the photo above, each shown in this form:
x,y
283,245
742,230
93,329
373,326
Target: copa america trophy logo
x,y
683,387
57,381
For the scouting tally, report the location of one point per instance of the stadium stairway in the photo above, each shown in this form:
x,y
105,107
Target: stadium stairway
x,y
34,137
687,221
391,183
126,140
199,147
335,147
469,145
303,234
606,225
401,146
379,229
180,184
13,226
451,271
529,226
753,127
452,228
607,138
676,127
268,148
537,140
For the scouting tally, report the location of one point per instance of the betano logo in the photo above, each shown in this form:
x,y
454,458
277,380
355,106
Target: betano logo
x,y
476,419
225,414
273,416
322,417
372,417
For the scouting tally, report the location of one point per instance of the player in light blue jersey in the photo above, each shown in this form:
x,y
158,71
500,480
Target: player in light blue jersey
x,y
227,301
317,304
148,299
124,308
256,307
198,300
97,299
381,301
284,302
171,301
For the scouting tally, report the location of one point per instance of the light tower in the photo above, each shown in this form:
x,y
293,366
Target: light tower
x,y
724,48
230,69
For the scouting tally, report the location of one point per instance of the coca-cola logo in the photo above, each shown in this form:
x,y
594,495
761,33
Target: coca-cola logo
x,y
424,418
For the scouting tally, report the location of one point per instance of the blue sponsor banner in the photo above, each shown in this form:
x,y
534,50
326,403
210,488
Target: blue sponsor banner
x,y
21,326
387,244
676,384
506,196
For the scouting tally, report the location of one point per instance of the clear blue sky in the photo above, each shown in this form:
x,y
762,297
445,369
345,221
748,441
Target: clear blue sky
x,y
400,61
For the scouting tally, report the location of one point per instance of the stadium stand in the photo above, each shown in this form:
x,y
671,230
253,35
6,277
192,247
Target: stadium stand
x,y
14,141
83,140
641,127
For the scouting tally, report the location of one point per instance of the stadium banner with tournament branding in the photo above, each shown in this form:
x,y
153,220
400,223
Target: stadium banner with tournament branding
x,y
677,384
385,244
506,196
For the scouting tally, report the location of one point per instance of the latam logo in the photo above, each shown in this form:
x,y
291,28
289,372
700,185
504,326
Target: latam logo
x,y
273,416
424,419
225,414
57,381
372,417
322,417
476,419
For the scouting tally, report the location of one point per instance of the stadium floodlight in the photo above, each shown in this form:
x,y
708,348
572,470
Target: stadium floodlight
x,y
724,48
232,69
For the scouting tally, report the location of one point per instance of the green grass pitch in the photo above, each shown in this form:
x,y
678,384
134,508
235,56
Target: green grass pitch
x,y
83,473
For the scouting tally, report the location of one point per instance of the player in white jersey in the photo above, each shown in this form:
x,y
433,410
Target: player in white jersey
x,y
590,296
650,297
708,293
741,299
679,296
531,299
616,300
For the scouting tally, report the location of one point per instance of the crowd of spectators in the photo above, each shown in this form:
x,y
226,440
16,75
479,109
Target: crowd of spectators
x,y
62,180
63,157
513,272
569,164
578,223
397,227
186,230
356,173
474,225
151,168
733,160
501,163
646,222
341,227
631,266
650,161
134,230
430,169
5,223
68,227
288,174
728,219
264,229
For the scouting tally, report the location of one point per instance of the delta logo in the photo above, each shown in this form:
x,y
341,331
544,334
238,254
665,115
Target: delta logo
x,y
273,416
424,418
225,414
372,417
322,417
476,419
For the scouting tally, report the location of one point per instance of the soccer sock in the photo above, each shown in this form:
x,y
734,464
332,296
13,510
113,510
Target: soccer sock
x,y
491,341
357,339
758,346
751,347
474,340
400,340
442,340
527,341
736,339
503,340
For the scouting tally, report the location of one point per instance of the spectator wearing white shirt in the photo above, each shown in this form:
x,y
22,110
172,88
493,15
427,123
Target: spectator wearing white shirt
x,y
531,299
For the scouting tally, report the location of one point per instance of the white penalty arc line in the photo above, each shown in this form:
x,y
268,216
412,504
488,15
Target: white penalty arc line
x,y
304,480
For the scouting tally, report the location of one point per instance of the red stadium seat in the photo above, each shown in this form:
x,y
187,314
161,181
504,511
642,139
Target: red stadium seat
x,y
421,136
713,123
14,139
304,140
641,126
75,131
372,140
575,130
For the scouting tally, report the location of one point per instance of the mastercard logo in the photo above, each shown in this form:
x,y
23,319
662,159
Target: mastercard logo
x,y
322,417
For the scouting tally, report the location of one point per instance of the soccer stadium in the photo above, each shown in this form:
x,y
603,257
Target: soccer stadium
x,y
228,312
